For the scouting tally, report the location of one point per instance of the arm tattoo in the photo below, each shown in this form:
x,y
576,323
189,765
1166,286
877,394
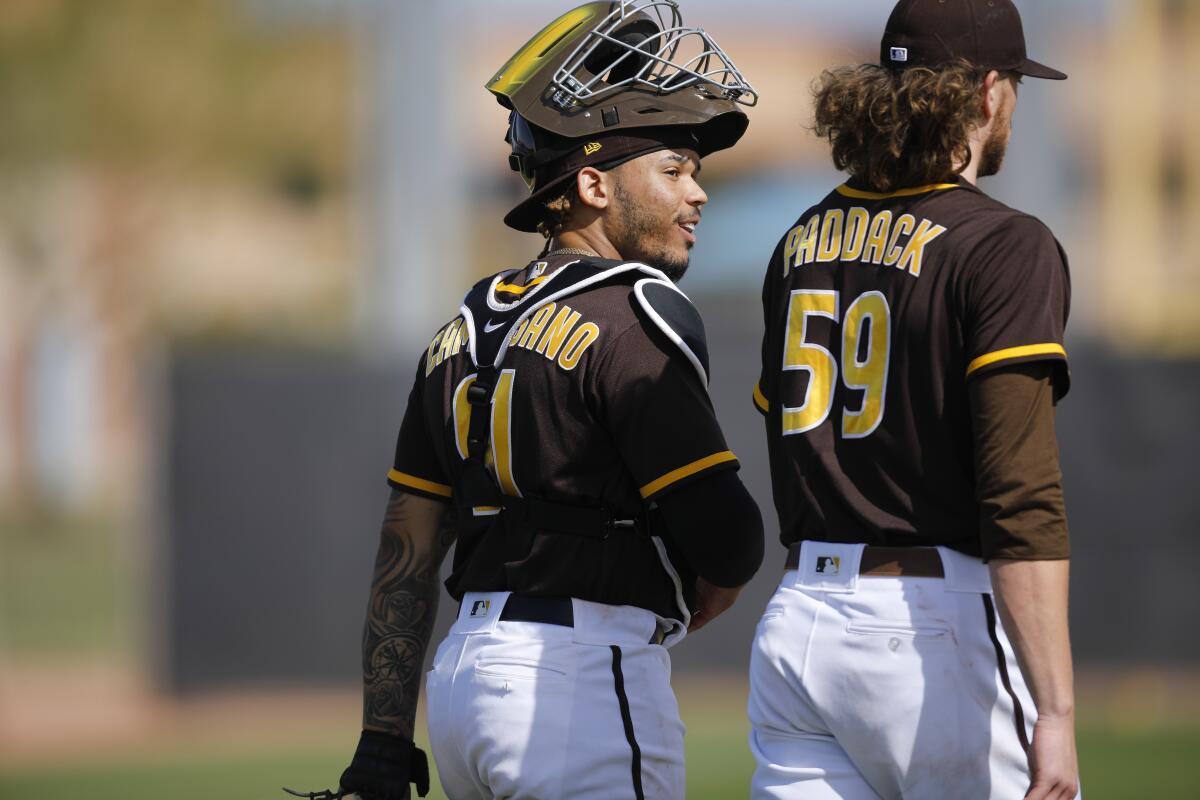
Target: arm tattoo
x,y
404,595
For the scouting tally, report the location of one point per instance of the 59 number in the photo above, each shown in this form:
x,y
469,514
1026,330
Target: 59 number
x,y
869,314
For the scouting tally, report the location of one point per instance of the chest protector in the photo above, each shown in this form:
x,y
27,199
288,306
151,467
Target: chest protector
x,y
538,547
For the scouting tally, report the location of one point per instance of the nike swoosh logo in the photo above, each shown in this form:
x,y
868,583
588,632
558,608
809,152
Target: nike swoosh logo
x,y
488,327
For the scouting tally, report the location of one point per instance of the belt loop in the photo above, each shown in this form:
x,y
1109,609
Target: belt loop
x,y
965,573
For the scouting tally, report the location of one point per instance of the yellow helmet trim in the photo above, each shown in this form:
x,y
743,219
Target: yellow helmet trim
x,y
549,41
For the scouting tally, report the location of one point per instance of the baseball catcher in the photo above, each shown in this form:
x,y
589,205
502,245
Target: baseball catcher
x,y
560,434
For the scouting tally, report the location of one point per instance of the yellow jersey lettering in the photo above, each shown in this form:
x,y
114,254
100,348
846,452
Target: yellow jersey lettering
x,y
580,341
857,222
431,355
855,234
877,238
519,331
536,323
914,251
831,235
806,253
790,246
449,337
556,332
904,226
446,343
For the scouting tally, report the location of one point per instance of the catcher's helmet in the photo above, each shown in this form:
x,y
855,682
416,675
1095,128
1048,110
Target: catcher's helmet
x,y
628,67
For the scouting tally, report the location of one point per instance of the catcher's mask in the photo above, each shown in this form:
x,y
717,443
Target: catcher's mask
x,y
598,74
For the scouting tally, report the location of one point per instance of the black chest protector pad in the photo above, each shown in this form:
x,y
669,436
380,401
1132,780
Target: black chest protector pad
x,y
673,313
595,557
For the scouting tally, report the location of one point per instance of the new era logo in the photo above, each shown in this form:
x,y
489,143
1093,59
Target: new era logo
x,y
480,608
828,565
591,147
898,54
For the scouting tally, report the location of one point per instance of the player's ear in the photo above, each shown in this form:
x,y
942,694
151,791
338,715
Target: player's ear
x,y
992,95
594,186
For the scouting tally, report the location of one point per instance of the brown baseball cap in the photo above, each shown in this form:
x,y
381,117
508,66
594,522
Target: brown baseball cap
x,y
556,160
931,33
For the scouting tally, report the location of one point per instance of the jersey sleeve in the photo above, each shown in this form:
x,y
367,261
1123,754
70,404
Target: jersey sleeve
x,y
660,415
1017,301
1018,481
763,390
415,467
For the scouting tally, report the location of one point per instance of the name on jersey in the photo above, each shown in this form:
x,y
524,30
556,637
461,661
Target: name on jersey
x,y
857,235
447,342
555,331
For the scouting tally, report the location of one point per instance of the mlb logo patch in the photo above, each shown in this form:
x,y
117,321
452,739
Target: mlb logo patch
x,y
898,53
480,608
828,565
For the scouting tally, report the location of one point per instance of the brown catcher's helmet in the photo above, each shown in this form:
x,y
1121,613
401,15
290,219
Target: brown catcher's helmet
x,y
604,77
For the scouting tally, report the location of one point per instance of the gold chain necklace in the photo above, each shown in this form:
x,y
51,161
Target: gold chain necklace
x,y
572,251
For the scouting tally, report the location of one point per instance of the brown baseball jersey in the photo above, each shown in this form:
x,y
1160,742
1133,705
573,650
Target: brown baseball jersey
x,y
594,404
879,309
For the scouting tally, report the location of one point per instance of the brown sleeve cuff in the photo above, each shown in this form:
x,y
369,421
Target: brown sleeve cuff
x,y
1017,475
1002,557
1050,543
1050,353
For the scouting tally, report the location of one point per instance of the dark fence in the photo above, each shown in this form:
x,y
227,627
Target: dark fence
x,y
272,490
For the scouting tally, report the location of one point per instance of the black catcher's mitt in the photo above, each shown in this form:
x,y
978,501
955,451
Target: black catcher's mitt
x,y
382,768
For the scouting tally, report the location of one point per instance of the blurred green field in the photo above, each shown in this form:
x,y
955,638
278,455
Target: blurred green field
x,y
60,588
60,594
1149,766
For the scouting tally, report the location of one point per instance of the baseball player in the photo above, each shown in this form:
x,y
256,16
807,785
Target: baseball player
x,y
913,355
560,431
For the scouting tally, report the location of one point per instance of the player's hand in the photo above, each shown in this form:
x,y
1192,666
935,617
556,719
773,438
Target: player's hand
x,y
1052,759
711,602
383,766
326,794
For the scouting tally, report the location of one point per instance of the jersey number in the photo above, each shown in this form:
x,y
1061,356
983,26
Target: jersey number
x,y
499,455
868,315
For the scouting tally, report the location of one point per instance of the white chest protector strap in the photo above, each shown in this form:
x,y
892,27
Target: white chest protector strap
x,y
488,321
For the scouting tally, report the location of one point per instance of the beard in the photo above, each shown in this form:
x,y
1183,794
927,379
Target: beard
x,y
991,158
640,235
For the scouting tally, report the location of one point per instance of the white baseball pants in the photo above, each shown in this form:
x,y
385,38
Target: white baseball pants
x,y
864,688
534,710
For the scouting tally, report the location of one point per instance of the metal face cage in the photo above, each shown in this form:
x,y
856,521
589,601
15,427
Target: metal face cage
x,y
644,44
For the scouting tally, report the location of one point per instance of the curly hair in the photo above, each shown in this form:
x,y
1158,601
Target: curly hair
x,y
557,211
891,130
